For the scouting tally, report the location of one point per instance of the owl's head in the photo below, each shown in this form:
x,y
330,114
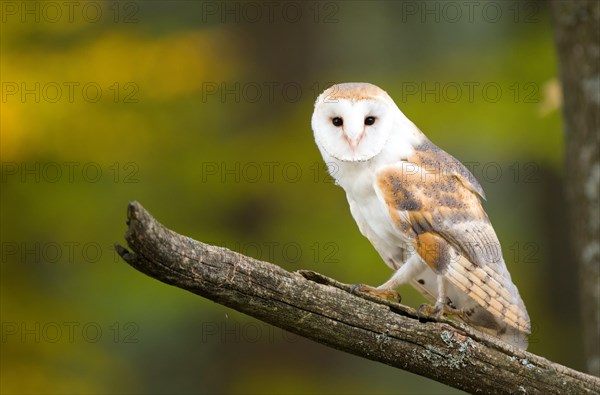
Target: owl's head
x,y
353,121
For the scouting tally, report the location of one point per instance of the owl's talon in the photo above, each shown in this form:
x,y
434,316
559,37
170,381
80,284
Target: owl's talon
x,y
440,309
386,294
425,311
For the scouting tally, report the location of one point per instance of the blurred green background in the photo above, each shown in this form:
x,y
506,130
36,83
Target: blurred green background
x,y
201,111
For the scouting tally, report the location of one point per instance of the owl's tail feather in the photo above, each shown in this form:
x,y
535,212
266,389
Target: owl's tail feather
x,y
492,288
507,334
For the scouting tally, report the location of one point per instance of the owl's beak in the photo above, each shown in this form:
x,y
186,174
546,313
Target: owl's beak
x,y
353,141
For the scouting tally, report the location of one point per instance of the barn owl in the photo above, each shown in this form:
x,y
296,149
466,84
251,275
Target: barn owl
x,y
420,208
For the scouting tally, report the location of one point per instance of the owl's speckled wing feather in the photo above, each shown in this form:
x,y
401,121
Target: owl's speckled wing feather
x,y
434,201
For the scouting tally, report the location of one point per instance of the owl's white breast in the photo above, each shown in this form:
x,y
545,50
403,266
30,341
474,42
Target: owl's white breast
x,y
370,212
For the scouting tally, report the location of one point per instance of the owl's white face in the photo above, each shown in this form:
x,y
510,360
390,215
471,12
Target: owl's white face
x,y
353,127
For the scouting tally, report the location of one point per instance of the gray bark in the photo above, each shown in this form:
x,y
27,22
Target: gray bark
x,y
577,36
324,310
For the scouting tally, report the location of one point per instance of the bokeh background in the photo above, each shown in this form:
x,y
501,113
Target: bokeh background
x,y
201,111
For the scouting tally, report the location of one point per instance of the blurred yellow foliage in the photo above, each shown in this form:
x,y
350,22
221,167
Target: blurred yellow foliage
x,y
120,66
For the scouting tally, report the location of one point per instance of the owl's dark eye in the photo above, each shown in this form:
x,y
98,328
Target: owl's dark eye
x,y
337,121
369,121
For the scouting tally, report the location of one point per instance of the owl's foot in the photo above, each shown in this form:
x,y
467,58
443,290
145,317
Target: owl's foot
x,y
440,309
387,294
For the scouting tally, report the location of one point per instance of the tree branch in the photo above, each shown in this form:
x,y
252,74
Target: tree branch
x,y
329,312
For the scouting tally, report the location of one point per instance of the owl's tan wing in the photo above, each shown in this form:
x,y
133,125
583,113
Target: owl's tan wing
x,y
433,200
